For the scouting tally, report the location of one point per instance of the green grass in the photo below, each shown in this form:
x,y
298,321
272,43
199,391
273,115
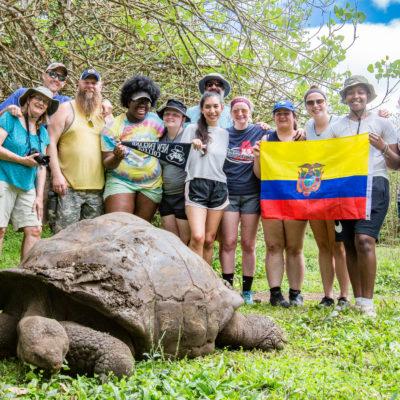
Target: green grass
x,y
347,357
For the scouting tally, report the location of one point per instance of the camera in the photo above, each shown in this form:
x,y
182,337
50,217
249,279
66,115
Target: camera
x,y
41,159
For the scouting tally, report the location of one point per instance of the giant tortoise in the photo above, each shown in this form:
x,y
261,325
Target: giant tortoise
x,y
105,291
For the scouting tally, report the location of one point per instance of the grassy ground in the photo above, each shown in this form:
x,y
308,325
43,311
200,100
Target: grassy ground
x,y
346,357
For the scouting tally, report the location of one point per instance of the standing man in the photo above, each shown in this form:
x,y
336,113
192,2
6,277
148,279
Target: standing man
x,y
360,236
54,78
213,83
75,153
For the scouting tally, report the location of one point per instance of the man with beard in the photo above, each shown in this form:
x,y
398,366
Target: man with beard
x,y
213,83
75,153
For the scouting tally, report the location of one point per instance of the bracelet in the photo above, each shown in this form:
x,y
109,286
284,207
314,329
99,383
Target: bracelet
x,y
385,150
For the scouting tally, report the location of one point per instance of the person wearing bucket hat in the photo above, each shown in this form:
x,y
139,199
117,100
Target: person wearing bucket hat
x,y
54,78
216,83
133,179
360,236
172,206
23,143
75,153
283,239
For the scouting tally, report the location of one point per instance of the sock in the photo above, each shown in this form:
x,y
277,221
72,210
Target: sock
x,y
368,302
275,291
294,293
247,282
359,301
228,278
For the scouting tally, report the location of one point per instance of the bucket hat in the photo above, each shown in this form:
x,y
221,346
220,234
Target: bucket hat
x,y
356,80
203,81
175,105
44,91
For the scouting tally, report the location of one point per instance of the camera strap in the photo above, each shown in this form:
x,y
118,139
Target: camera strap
x,y
29,135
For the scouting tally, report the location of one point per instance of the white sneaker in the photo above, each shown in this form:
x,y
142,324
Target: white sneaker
x,y
368,310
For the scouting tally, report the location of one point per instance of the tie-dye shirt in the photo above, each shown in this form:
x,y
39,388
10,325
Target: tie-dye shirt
x,y
136,167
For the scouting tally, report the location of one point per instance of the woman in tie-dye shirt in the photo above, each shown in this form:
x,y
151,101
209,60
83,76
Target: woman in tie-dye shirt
x,y
133,180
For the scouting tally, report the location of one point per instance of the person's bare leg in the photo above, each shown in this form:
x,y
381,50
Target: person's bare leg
x,y
144,207
197,221
325,257
352,267
183,229
294,236
228,241
275,243
168,222
212,223
2,234
120,202
248,234
31,236
366,257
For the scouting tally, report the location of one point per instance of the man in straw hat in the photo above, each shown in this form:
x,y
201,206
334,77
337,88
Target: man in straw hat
x,y
360,236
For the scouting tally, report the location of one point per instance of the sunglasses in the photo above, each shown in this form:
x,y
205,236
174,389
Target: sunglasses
x,y
44,100
214,83
312,102
54,75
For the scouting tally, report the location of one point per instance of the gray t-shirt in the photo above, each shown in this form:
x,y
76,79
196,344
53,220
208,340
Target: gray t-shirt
x,y
173,176
373,124
311,134
209,166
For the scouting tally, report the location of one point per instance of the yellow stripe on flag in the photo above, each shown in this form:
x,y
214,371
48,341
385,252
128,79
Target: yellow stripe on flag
x,y
341,157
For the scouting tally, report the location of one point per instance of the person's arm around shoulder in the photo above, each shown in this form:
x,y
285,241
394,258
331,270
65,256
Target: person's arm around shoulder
x,y
59,122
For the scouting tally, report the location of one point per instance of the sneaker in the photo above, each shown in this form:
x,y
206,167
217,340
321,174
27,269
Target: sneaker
x,y
368,310
296,300
278,300
342,304
326,302
248,297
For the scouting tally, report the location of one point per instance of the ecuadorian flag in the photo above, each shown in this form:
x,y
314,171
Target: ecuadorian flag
x,y
321,179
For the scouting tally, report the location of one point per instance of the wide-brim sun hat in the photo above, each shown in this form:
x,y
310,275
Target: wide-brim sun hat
x,y
174,105
208,77
285,105
44,91
358,80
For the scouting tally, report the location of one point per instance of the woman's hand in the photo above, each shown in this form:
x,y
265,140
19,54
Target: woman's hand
x,y
377,141
38,207
119,151
29,161
300,135
14,111
256,149
264,126
198,144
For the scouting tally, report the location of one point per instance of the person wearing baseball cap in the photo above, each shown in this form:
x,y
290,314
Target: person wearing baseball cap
x,y
54,78
360,236
283,239
213,82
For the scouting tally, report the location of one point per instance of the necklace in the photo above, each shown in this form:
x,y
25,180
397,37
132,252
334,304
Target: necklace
x,y
315,128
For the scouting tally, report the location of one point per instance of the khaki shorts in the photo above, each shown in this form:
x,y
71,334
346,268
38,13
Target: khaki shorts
x,y
16,204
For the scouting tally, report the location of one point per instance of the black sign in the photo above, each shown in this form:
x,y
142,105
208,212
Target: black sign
x,y
173,153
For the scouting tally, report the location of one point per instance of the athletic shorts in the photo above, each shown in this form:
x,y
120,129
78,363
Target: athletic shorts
x,y
16,204
206,193
173,204
115,185
245,204
347,229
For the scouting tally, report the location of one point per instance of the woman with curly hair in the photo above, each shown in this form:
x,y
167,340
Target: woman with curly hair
x,y
133,180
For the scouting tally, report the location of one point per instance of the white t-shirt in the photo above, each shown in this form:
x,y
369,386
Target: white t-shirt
x,y
371,124
209,166
311,134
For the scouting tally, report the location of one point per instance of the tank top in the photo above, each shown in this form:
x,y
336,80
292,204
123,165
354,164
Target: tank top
x,y
79,152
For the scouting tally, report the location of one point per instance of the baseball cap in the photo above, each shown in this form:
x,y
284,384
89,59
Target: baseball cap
x,y
90,73
284,104
57,65
140,95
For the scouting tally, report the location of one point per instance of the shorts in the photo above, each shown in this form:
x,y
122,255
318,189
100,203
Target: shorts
x,y
115,185
76,205
347,229
245,204
206,193
16,204
173,204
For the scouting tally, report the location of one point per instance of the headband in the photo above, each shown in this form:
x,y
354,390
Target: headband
x,y
241,100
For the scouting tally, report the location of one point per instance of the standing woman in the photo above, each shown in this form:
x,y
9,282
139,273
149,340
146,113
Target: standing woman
x,y
244,196
133,179
284,239
206,191
172,206
331,254
22,173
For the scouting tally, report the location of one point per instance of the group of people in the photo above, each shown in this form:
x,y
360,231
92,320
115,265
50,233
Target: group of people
x,y
219,190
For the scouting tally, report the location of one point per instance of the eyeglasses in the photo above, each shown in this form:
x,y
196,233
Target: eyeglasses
x,y
44,100
214,83
310,103
54,75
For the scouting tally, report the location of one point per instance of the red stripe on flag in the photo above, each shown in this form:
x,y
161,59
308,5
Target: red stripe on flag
x,y
318,209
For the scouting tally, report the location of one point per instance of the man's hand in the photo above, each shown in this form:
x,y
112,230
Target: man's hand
x,y
14,111
60,185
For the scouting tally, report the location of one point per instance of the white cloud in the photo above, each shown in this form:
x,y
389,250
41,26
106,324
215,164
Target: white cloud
x,y
374,42
384,4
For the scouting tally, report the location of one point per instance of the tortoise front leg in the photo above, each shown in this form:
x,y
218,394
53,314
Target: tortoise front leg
x,y
251,332
8,335
91,351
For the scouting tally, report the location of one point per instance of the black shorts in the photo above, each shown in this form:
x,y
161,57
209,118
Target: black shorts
x,y
347,229
173,204
206,193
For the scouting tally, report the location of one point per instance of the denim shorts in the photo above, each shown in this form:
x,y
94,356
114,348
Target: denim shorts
x,y
245,204
206,193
